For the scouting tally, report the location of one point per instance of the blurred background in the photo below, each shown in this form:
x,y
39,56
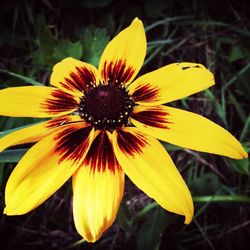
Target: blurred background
x,y
34,35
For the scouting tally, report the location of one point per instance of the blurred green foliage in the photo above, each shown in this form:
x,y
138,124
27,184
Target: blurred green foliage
x,y
89,47
37,34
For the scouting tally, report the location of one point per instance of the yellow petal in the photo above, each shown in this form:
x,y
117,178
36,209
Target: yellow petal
x,y
148,165
35,101
188,130
74,76
171,83
46,167
97,190
124,55
35,132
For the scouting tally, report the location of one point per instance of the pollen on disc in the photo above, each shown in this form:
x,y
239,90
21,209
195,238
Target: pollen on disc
x,y
106,106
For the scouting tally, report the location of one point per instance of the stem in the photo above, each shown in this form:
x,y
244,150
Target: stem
x,y
222,198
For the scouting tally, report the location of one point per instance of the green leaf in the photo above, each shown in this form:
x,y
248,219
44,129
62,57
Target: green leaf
x,y
123,216
94,41
170,147
236,53
1,175
3,133
206,184
46,40
221,198
241,166
46,43
142,213
21,77
13,155
66,48
220,108
151,231
242,79
238,106
246,129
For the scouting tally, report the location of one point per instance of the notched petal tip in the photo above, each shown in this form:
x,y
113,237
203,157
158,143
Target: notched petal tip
x,y
5,211
10,212
170,83
198,68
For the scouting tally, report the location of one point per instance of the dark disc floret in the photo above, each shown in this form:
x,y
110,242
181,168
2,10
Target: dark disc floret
x,y
106,106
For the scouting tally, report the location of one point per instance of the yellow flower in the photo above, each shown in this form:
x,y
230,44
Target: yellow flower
x,y
105,124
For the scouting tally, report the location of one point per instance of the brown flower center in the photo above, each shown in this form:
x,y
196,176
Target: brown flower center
x,y
106,106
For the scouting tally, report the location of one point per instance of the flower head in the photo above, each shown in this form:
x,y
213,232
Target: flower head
x,y
105,125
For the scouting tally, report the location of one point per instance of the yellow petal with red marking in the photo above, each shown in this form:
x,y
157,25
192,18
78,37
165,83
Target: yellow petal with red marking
x,y
36,101
188,130
148,165
74,76
46,167
124,55
171,83
97,189
36,132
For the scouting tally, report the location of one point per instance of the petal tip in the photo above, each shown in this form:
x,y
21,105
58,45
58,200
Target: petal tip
x,y
244,154
58,65
10,211
241,154
189,212
91,239
212,79
188,220
137,21
6,211
88,236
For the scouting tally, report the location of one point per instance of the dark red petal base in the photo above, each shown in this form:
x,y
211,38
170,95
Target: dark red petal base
x,y
117,72
146,93
130,143
58,102
82,80
72,143
101,156
154,117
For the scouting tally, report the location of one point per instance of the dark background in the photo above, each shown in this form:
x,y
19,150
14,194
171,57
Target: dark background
x,y
34,35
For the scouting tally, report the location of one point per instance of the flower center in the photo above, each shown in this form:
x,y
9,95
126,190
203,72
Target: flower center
x,y
106,106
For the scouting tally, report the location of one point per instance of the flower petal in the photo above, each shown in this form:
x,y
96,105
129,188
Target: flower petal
x,y
35,101
36,132
74,76
98,189
46,167
101,156
171,83
124,55
188,130
149,166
